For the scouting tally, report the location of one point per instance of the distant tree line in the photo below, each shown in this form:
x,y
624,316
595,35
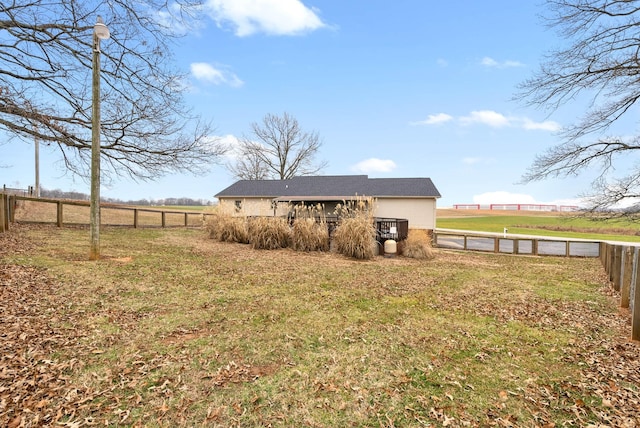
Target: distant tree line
x,y
61,194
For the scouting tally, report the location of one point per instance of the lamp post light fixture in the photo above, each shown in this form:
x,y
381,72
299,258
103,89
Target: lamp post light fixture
x,y
100,32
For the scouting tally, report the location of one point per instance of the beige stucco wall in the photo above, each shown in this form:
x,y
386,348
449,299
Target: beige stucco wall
x,y
252,206
420,212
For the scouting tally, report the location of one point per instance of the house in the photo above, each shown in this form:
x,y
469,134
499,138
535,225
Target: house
x,y
413,199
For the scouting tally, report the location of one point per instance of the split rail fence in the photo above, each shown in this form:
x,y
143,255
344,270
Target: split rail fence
x,y
11,210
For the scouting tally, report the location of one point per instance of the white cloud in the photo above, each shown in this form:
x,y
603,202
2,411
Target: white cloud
x,y
477,160
486,117
374,165
275,17
217,76
490,62
434,119
231,142
493,119
442,62
547,125
471,161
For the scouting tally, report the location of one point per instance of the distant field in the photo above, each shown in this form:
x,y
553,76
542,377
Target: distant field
x,y
538,223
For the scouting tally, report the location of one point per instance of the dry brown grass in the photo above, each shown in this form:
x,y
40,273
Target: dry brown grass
x,y
309,231
418,245
224,227
309,235
268,233
355,235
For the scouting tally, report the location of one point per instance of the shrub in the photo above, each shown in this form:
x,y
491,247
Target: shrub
x,y
310,231
309,235
355,235
224,227
268,233
418,245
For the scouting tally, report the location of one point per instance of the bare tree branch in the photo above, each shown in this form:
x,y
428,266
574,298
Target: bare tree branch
x,y
601,62
280,149
45,85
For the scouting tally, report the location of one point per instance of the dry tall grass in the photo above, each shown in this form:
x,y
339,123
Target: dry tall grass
x,y
418,245
310,231
355,235
223,226
268,233
309,235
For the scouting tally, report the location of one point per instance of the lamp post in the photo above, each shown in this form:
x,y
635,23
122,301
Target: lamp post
x,y
100,32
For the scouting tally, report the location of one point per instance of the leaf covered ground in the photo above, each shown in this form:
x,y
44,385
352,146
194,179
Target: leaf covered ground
x,y
173,329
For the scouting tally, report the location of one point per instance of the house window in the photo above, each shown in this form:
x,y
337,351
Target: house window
x,y
238,206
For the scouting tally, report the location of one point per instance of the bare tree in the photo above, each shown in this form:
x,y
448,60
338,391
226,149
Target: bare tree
x,y
280,149
45,85
600,62
248,166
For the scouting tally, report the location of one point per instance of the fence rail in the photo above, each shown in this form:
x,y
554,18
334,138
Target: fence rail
x,y
516,244
111,214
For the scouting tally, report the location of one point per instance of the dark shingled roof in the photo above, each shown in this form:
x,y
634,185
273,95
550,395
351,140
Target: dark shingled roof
x,y
332,186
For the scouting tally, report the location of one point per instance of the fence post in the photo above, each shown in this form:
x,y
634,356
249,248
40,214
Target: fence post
x,y
186,221
164,219
635,304
617,267
4,225
627,275
59,213
11,211
609,261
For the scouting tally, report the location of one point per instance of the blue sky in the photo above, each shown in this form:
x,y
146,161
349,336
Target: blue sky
x,y
394,89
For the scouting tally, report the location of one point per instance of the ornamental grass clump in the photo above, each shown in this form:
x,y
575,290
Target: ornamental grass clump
x,y
269,233
355,235
310,231
224,227
418,245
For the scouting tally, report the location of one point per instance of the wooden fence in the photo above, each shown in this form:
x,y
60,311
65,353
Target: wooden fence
x,y
622,265
515,244
4,218
111,214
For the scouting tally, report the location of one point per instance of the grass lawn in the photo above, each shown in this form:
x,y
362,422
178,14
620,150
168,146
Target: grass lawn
x,y
173,329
